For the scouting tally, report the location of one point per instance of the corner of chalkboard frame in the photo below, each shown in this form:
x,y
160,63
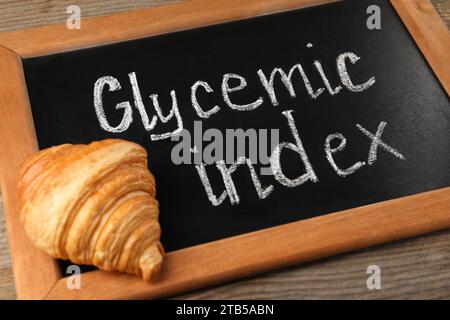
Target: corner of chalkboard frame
x,y
256,251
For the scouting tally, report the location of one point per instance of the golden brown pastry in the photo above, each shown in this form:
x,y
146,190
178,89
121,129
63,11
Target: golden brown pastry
x,y
93,204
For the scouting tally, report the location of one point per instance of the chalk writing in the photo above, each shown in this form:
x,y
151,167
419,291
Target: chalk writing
x,y
231,82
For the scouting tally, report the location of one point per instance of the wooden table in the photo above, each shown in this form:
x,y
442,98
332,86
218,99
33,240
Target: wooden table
x,y
410,269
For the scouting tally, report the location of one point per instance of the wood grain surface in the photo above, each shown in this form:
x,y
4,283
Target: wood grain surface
x,y
410,269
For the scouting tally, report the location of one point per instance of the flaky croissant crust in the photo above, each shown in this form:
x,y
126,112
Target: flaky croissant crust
x,y
93,204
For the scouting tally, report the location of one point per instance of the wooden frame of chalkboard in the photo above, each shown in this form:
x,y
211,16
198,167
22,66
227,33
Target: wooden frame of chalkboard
x,y
37,275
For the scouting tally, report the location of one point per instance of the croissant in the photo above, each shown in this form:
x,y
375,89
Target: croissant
x,y
93,204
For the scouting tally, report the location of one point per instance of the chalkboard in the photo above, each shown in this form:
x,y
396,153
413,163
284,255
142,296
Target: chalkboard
x,y
351,91
402,101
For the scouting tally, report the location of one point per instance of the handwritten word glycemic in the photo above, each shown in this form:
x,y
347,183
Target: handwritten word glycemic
x,y
154,119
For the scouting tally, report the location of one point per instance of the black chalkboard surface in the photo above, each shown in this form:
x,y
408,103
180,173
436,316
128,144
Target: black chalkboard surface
x,y
405,98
